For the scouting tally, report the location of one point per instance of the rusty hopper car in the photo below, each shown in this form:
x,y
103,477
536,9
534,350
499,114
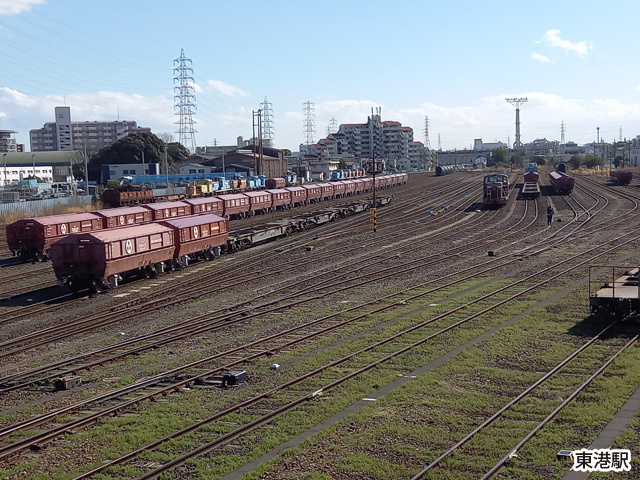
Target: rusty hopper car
x,y
314,193
212,205
33,237
326,191
281,198
164,210
236,205
114,197
349,187
621,177
298,195
199,236
260,202
531,176
496,189
563,184
100,258
124,216
339,189
272,183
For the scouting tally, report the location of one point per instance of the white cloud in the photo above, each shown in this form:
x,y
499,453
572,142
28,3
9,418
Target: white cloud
x,y
13,7
540,58
490,118
226,89
552,38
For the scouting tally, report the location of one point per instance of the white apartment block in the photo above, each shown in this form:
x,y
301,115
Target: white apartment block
x,y
388,139
7,143
64,135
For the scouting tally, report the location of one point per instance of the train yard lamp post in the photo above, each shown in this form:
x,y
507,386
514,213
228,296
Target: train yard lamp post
x,y
33,160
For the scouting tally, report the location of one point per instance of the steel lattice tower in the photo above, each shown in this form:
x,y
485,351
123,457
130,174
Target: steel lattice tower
x,y
562,133
309,121
186,98
427,142
516,102
267,122
333,126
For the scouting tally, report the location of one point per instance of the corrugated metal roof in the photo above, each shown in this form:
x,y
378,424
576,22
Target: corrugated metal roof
x,y
43,158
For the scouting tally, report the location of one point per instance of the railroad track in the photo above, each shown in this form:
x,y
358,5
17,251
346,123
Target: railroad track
x,y
402,300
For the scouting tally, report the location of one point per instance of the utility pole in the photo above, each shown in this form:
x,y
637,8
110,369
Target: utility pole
x,y
516,102
166,166
257,122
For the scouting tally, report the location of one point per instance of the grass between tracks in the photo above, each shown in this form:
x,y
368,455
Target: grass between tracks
x,y
397,435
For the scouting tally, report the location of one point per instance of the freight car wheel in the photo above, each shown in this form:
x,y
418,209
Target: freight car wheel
x,y
99,285
150,271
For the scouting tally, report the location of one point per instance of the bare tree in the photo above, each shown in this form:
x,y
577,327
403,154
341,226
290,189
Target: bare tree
x,y
166,137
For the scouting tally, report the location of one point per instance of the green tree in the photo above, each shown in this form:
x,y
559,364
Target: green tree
x,y
498,155
178,153
591,161
130,150
575,161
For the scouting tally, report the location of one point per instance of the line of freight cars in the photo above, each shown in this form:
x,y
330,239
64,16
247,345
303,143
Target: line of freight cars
x,y
531,187
32,237
102,259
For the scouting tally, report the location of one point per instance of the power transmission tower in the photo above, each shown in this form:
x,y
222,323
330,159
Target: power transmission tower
x,y
427,143
439,146
562,133
267,122
309,121
186,101
516,102
333,126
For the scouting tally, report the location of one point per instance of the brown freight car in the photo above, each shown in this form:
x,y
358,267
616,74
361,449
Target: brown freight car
x,y
132,195
236,205
200,236
212,205
314,193
124,216
102,257
164,210
281,198
260,202
298,196
272,183
326,191
33,237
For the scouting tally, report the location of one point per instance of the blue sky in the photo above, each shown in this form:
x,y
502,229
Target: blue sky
x,y
454,62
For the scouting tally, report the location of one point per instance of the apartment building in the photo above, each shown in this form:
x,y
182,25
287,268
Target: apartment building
x,y
63,135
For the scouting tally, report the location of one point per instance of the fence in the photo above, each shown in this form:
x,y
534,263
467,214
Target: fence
x,y
43,207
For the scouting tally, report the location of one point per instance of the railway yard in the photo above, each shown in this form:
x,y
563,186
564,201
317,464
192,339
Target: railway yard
x,y
455,342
